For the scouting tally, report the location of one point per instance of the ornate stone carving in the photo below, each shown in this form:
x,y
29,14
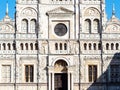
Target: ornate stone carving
x,y
29,12
92,12
6,28
91,58
113,28
43,48
60,66
42,62
7,57
59,11
28,58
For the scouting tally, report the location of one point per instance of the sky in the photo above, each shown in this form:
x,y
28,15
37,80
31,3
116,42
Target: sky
x,y
11,5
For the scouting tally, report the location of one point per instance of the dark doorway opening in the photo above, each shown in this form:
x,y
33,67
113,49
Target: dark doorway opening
x,y
61,81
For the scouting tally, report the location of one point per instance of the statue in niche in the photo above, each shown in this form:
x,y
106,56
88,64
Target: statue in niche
x,y
70,49
77,48
42,49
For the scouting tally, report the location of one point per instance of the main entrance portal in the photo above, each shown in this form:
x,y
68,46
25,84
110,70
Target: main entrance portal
x,y
61,81
60,76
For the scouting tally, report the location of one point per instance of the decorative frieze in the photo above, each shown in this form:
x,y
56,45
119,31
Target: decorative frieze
x,y
92,58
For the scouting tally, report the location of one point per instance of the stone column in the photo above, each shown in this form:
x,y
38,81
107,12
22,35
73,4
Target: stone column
x,y
52,81
49,81
69,80
51,77
71,74
70,77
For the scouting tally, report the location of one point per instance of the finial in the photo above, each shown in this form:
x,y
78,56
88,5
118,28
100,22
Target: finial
x,y
7,8
113,10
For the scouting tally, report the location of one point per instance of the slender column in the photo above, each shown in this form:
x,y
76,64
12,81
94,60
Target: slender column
x,y
68,81
51,78
71,81
6,46
92,46
70,77
2,46
34,46
49,81
29,27
52,81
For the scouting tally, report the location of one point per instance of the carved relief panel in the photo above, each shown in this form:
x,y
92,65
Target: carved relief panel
x,y
6,28
113,28
29,12
92,12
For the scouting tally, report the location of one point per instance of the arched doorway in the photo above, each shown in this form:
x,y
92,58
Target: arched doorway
x,y
60,75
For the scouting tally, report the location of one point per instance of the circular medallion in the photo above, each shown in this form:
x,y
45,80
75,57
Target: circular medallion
x,y
114,27
60,29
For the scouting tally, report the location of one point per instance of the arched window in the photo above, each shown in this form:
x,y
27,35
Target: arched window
x,y
65,46
107,46
85,46
26,45
21,45
90,46
56,46
94,46
14,46
117,46
4,46
99,46
112,46
96,25
33,25
24,26
9,47
60,46
36,46
31,46
88,25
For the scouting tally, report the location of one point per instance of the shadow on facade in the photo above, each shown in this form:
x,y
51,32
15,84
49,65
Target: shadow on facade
x,y
110,79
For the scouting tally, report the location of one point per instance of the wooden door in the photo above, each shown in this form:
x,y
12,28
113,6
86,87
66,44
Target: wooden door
x,y
61,81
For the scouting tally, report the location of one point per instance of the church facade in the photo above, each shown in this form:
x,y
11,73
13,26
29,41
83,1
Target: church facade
x,y
60,45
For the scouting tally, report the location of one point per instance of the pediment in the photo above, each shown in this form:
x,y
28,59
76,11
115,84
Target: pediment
x,y
112,28
6,28
60,10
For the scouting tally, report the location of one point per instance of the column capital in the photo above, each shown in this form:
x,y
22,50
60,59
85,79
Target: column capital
x,y
50,69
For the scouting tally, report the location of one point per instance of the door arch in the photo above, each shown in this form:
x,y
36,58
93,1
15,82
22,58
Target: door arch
x,y
60,75
60,66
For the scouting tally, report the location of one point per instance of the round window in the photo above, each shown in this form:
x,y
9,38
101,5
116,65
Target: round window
x,y
60,29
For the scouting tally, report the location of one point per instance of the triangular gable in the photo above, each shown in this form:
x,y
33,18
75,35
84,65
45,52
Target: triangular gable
x,y
60,10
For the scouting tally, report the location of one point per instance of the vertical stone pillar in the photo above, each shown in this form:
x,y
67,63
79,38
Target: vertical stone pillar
x,y
69,80
52,81
29,47
49,81
29,27
51,77
70,77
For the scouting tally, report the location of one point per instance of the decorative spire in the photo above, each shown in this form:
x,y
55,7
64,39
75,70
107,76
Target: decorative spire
x,y
6,18
7,8
113,10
